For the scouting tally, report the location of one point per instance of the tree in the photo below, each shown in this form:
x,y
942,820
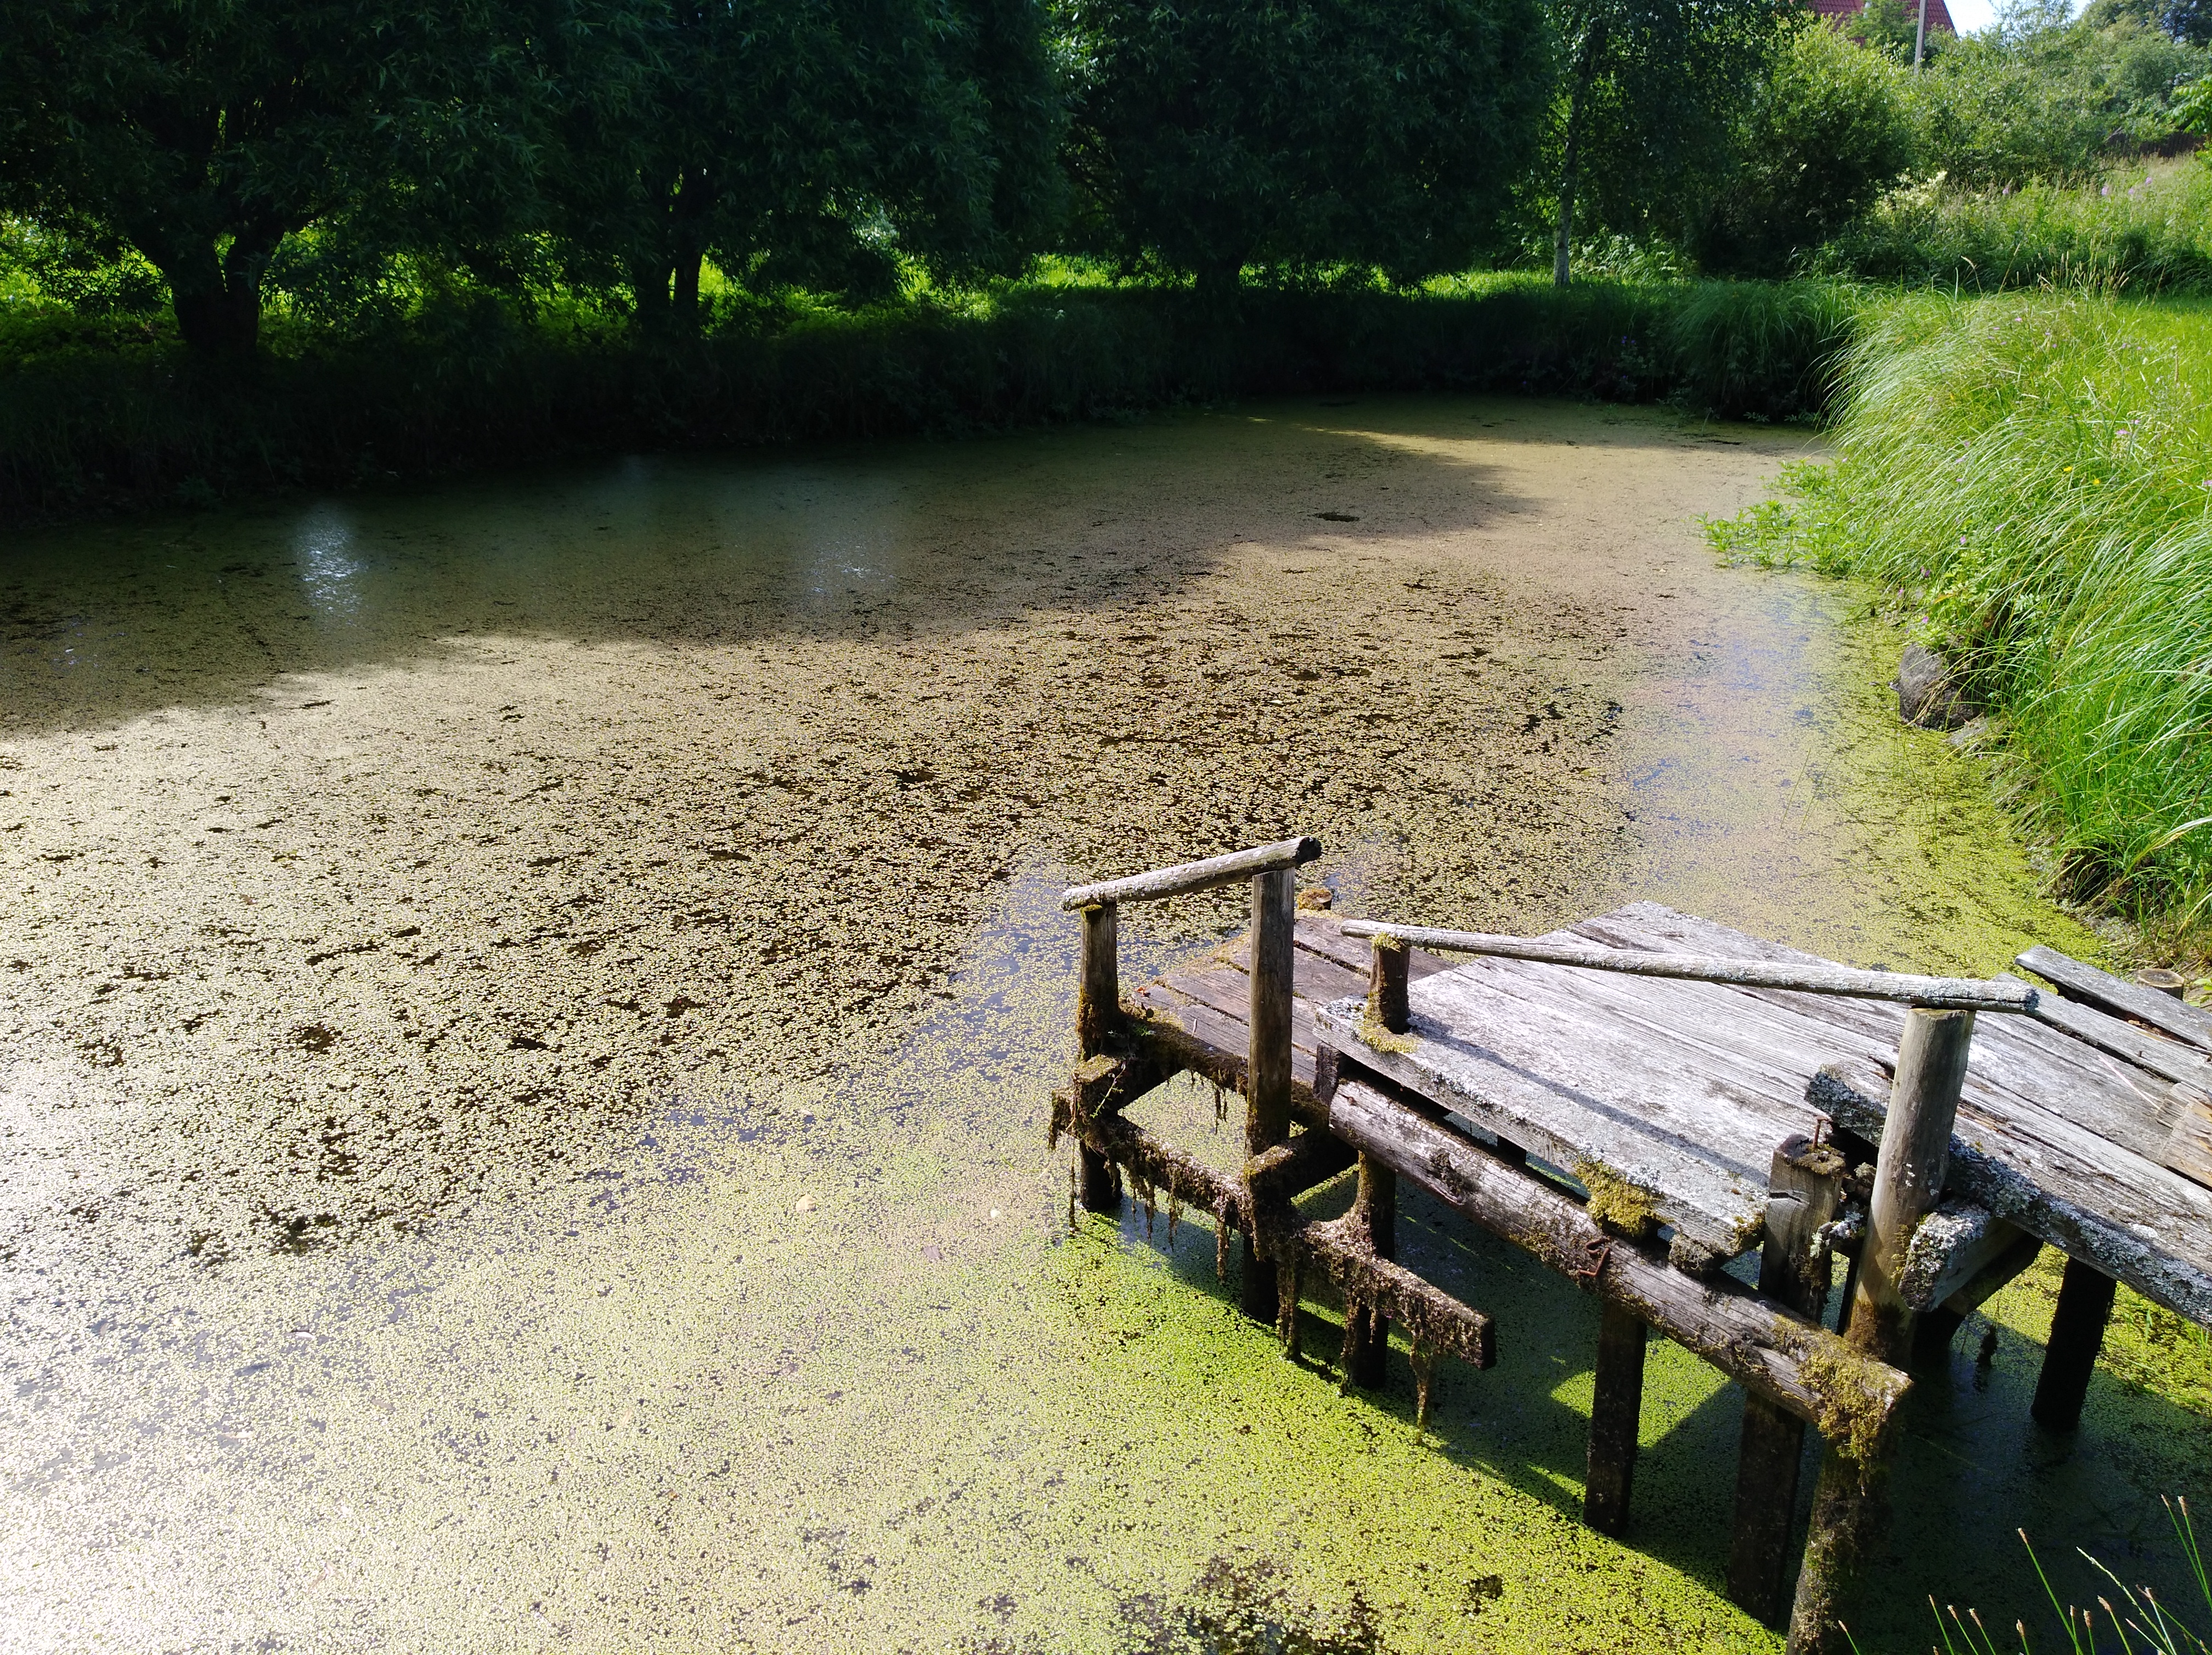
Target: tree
x,y
810,142
2044,97
1210,135
1650,101
202,132
1829,131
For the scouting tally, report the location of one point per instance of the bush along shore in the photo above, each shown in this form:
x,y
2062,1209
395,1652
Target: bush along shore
x,y
2028,478
96,416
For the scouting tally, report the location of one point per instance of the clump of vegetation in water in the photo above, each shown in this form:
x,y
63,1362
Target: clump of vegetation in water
x,y
1233,1608
2028,476
2137,1619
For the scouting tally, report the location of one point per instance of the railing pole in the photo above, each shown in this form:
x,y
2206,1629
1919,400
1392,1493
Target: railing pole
x,y
1267,1068
1848,1509
1098,1018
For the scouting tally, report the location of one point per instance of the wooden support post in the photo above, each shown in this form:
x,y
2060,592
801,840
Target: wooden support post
x,y
1804,1190
1616,1409
2077,1333
1849,1508
1267,1065
1388,981
1367,1332
1097,1018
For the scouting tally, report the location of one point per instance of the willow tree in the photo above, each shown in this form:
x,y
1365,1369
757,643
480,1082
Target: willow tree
x,y
816,143
1647,105
202,132
1210,135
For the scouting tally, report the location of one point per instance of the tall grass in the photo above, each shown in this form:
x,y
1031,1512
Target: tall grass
x,y
2146,229
114,413
2136,1623
2033,475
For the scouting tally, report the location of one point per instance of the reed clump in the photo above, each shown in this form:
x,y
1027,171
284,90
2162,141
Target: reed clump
x,y
2029,477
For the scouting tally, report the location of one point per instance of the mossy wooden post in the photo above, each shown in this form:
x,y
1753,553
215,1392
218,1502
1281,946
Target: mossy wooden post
x,y
1388,981
1848,1505
1616,1409
1367,1332
2077,1334
1098,1017
1267,1064
1803,1190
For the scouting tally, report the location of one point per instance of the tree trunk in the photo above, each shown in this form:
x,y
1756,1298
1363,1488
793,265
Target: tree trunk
x,y
1586,60
217,298
648,287
683,303
694,196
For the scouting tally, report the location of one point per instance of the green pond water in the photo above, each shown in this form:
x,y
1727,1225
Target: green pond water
x,y
528,1010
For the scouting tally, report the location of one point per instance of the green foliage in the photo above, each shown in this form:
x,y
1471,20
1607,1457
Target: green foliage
x,y
828,145
1752,349
200,132
2043,99
1830,132
2144,230
1218,134
1649,108
116,416
1890,28
2029,474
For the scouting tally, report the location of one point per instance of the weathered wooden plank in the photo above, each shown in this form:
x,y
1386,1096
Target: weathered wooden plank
x,y
1952,1247
1785,1357
1319,975
2038,1065
1186,876
2026,1075
1342,1247
2181,1020
1820,978
2188,1142
1323,934
2094,1200
1179,1032
2162,1056
1588,1098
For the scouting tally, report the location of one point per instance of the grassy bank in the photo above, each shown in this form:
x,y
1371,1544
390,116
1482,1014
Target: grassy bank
x,y
2144,230
2031,476
100,415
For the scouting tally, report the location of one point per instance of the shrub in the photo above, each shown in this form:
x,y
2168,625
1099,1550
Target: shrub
x,y
1830,132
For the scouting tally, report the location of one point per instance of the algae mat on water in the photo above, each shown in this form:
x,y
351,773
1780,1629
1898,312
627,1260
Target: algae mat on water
x,y
528,1010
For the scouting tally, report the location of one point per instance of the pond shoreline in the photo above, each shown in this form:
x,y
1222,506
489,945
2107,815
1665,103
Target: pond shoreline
x,y
436,980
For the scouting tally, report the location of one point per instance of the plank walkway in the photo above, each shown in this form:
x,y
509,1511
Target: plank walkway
x,y
1635,1129
1683,1089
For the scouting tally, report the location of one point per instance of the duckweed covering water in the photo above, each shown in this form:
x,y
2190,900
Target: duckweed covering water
x,y
662,1249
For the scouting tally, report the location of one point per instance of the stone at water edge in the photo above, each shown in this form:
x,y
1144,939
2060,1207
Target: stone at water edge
x,y
1926,694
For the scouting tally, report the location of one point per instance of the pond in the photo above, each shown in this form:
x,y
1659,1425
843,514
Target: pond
x,y
529,1008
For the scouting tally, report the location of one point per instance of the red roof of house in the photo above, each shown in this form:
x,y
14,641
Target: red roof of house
x,y
1939,16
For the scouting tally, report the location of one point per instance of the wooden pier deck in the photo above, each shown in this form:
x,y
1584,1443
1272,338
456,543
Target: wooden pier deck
x,y
1637,1131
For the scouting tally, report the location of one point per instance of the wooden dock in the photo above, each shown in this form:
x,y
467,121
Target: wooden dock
x,y
1638,1099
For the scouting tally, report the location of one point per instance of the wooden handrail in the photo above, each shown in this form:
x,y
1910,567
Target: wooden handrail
x,y
1950,993
1186,876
